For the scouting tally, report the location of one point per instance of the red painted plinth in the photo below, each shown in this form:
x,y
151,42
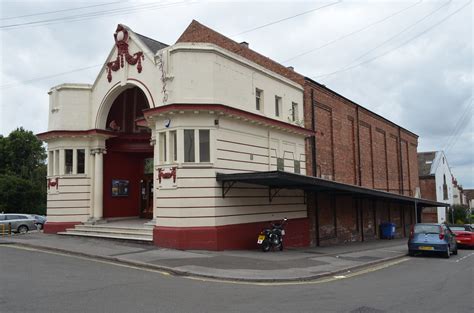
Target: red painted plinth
x,y
228,237
56,227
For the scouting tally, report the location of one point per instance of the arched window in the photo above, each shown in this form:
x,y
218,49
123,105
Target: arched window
x,y
126,109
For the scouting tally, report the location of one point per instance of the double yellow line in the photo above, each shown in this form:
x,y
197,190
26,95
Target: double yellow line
x,y
225,281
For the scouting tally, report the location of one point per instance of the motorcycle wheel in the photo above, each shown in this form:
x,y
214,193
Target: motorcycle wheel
x,y
266,246
280,247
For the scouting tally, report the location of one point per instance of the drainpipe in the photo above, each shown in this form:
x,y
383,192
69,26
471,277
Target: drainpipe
x,y
358,146
400,160
314,166
269,152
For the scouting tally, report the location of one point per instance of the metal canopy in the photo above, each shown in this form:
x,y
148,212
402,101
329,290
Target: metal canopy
x,y
276,180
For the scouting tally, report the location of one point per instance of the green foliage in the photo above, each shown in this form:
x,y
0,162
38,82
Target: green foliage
x,y
22,173
458,213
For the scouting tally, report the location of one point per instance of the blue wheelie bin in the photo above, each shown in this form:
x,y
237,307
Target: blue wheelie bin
x,y
387,230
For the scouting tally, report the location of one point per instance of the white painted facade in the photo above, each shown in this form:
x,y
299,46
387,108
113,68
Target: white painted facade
x,y
182,74
440,169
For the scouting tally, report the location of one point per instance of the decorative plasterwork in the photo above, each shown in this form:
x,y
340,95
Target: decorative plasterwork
x,y
121,41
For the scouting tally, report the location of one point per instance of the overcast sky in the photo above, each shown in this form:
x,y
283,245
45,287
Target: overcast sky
x,y
410,61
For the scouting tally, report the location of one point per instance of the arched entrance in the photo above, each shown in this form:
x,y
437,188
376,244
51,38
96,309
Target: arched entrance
x,y
128,164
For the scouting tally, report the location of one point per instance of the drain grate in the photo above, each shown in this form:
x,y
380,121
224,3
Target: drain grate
x,y
366,309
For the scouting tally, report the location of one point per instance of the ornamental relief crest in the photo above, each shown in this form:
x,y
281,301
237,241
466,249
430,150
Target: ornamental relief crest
x,y
121,41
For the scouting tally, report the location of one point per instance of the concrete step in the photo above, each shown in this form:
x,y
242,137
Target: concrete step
x,y
121,236
113,230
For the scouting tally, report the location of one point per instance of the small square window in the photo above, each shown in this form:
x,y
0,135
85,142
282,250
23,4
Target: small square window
x,y
277,105
258,99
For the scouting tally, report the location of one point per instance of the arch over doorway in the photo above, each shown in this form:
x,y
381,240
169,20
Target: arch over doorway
x,y
114,92
128,163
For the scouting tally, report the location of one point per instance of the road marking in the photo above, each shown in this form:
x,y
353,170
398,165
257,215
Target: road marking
x,y
309,282
88,259
348,274
464,257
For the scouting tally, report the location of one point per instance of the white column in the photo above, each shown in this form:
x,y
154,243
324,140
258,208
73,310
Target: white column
x,y
155,178
98,184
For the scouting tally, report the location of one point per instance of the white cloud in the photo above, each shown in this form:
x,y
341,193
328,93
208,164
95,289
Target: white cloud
x,y
420,86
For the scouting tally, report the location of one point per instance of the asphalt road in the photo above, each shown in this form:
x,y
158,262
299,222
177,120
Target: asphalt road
x,y
33,281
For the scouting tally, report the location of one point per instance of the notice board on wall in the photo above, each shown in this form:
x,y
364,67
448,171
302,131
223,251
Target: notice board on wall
x,y
120,188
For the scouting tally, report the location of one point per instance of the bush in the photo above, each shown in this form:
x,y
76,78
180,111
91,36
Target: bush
x,y
21,196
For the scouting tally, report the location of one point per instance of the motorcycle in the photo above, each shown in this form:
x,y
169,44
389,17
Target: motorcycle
x,y
272,237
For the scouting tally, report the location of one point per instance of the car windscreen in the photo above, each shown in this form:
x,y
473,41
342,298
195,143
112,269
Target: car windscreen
x,y
427,229
458,228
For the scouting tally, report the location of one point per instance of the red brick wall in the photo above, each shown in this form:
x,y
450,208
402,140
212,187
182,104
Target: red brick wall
x,y
386,150
428,188
359,217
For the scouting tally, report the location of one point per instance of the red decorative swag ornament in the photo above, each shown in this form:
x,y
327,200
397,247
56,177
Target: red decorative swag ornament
x,y
53,183
121,39
167,175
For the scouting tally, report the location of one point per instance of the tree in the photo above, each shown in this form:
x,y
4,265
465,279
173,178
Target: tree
x,y
458,214
22,173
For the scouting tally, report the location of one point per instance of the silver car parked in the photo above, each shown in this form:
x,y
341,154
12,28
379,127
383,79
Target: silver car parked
x,y
20,223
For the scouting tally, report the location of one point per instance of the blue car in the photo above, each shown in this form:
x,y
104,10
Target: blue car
x,y
432,238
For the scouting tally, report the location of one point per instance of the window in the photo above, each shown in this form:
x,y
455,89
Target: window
x,y
280,164
445,188
204,146
294,111
68,161
277,105
51,163
56,162
162,147
173,146
297,167
258,99
81,161
189,145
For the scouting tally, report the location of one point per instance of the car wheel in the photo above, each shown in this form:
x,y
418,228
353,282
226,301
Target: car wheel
x,y
22,229
455,252
447,254
411,253
39,226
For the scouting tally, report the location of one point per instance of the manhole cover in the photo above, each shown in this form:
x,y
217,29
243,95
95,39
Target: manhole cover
x,y
366,309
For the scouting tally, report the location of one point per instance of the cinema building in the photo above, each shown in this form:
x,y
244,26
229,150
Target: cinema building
x,y
205,141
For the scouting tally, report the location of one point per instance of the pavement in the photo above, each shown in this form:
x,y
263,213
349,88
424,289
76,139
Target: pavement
x,y
292,264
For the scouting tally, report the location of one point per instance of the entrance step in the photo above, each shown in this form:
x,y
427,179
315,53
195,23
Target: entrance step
x,y
111,232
